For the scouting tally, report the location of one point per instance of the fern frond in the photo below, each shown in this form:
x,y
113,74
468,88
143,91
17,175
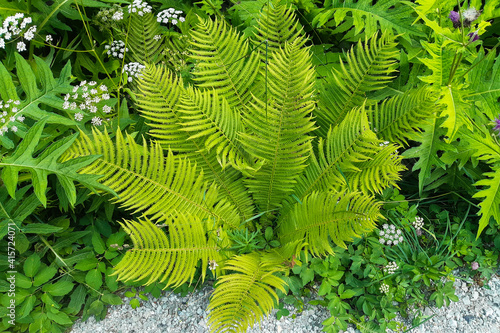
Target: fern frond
x,y
490,206
369,68
276,26
398,117
159,102
171,256
143,47
351,157
207,116
279,127
147,181
368,17
322,216
224,62
244,297
47,163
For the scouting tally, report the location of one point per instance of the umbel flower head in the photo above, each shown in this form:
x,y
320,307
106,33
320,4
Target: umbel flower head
x,y
390,235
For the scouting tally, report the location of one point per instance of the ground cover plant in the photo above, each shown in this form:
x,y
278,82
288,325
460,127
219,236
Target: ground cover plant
x,y
281,149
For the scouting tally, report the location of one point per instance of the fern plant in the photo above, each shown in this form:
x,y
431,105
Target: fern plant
x,y
246,149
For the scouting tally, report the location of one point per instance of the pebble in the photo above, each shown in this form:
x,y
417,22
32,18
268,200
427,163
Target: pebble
x,y
478,310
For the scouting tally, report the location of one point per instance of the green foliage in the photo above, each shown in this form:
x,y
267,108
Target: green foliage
x,y
46,163
366,18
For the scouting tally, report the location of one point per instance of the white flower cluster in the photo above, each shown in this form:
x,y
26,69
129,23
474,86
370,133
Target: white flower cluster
x,y
85,97
13,27
212,264
418,223
172,14
384,288
391,268
390,235
8,116
133,69
116,49
106,17
140,7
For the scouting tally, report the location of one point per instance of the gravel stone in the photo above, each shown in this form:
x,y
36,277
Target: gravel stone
x,y
478,310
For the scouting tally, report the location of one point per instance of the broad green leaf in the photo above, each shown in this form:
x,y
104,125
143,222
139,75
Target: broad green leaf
x,y
77,299
60,288
44,275
23,281
112,299
27,306
98,243
60,318
31,265
94,279
87,264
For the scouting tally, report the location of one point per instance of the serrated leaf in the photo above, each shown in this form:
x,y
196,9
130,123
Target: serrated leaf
x,y
27,306
47,163
98,243
44,275
40,228
490,206
60,288
77,299
112,299
94,279
31,265
61,318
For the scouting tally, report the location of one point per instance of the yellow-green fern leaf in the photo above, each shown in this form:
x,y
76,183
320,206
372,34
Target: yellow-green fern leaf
x,y
144,48
224,62
368,69
208,116
147,181
245,296
279,128
351,158
276,26
159,101
323,216
171,256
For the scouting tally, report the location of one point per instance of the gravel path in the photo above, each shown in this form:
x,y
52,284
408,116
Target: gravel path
x,y
478,311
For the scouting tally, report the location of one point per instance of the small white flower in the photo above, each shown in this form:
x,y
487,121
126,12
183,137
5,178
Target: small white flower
x,y
72,106
2,43
14,109
157,37
20,119
174,22
21,47
117,16
93,109
78,116
102,87
66,105
12,118
106,109
17,102
182,19
105,97
48,39
93,91
92,83
13,128
96,121
212,264
381,240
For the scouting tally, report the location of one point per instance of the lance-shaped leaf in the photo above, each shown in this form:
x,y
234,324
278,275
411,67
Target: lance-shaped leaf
x,y
47,163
